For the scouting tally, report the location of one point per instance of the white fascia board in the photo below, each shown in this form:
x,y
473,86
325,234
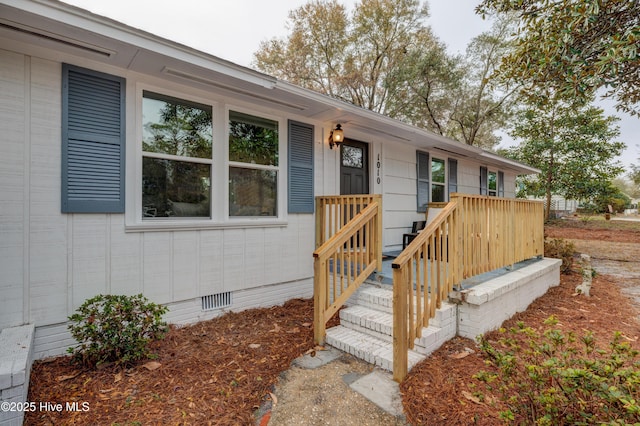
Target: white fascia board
x,y
523,169
81,18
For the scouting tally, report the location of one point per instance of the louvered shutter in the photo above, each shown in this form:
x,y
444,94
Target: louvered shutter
x,y
301,196
483,181
422,171
453,176
500,184
93,141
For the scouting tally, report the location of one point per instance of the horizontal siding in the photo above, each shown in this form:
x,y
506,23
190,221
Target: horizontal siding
x,y
60,260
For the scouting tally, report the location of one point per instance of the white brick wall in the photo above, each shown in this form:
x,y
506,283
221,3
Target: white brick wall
x,y
16,357
486,306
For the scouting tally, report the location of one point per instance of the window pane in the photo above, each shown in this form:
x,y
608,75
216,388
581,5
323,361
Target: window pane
x,y
352,156
493,181
437,170
253,139
171,126
252,192
175,189
437,193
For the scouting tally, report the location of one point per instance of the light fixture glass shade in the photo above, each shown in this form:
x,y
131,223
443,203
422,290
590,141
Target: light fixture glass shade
x,y
338,134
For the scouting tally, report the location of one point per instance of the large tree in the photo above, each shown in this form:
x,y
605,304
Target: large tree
x,y
576,46
482,103
572,143
347,57
384,57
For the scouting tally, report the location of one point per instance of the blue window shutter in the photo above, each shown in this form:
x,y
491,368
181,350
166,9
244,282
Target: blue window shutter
x,y
500,184
483,181
453,176
93,141
422,172
301,195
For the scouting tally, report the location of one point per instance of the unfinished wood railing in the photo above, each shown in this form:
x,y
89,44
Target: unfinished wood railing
x,y
343,262
335,211
423,275
470,236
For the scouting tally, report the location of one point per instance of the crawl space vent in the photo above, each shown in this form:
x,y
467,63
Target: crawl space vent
x,y
216,301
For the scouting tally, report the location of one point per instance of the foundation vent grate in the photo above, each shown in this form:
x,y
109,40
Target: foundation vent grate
x,y
216,301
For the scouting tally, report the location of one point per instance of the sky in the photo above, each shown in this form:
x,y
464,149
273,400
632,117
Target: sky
x,y
233,30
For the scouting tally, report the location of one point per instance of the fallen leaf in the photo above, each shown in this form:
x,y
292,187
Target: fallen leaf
x,y
117,377
306,324
294,330
67,377
254,345
276,328
470,397
152,365
460,355
274,399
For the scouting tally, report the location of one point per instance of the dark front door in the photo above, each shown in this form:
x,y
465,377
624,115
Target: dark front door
x,y
354,167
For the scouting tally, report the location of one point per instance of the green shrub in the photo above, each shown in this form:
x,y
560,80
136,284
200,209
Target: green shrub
x,y
559,248
553,378
115,328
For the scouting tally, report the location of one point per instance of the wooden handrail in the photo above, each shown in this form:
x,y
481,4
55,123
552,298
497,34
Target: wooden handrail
x,y
472,234
432,262
342,263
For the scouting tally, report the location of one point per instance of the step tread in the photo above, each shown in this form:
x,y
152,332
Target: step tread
x,y
366,347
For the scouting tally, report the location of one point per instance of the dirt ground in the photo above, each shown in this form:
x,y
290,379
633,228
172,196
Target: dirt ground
x,y
224,370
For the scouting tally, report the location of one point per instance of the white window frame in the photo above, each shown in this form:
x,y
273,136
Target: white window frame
x,y
219,166
282,151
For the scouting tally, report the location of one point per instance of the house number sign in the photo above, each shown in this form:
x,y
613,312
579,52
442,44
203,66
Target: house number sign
x,y
378,170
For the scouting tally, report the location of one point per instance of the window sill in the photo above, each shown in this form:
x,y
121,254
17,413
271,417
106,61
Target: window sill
x,y
194,225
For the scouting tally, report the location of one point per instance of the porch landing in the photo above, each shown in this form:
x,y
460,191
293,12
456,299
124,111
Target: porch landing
x,y
481,305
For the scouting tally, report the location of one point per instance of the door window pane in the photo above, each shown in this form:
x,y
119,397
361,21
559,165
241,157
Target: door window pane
x,y
352,156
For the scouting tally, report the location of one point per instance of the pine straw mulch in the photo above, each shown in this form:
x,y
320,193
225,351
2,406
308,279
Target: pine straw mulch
x,y
575,228
442,390
213,372
220,371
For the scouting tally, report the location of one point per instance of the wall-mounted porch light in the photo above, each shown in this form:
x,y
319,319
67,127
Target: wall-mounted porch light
x,y
336,136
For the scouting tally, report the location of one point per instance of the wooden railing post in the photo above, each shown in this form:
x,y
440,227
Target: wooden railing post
x,y
319,300
400,325
320,217
379,234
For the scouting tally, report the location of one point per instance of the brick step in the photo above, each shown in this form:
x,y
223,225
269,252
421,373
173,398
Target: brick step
x,y
380,298
379,325
366,347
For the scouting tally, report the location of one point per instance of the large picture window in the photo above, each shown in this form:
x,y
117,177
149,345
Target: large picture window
x,y
177,138
253,165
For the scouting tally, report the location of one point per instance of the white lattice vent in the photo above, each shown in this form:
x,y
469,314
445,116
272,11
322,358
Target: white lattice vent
x,y
216,301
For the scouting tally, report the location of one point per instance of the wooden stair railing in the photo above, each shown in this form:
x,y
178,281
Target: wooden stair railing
x,y
343,263
472,234
433,262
